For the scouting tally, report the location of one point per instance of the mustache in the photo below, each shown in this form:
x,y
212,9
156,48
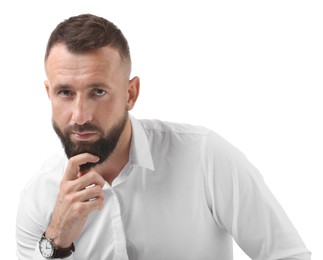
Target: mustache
x,y
83,128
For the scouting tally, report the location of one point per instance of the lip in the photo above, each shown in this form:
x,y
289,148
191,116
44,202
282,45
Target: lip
x,y
83,136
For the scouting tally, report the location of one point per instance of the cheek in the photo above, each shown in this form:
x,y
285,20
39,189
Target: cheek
x,y
107,113
61,114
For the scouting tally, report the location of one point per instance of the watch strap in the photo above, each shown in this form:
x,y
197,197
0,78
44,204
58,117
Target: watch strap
x,y
60,252
63,252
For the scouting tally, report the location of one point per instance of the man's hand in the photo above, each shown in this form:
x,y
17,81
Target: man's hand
x,y
80,193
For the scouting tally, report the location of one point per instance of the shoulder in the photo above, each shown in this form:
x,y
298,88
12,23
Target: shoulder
x,y
42,188
38,198
189,139
51,170
208,138
180,139
158,126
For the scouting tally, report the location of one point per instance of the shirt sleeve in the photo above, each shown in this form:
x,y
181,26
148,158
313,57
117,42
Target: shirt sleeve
x,y
30,225
243,205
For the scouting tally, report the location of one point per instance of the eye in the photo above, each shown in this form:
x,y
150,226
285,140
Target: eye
x,y
99,92
65,93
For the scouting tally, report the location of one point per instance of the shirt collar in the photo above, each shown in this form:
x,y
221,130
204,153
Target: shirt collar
x,y
140,150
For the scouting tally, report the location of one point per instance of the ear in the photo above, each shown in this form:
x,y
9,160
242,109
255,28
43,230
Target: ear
x,y
47,88
133,92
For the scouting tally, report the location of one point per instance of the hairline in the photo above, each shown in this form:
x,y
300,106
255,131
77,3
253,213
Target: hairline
x,y
125,61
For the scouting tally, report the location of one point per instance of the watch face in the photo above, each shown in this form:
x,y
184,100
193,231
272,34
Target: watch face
x,y
46,248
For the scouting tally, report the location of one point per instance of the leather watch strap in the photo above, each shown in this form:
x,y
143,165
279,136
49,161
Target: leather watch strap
x,y
60,252
64,252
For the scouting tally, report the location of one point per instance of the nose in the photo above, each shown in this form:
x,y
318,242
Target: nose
x,y
81,111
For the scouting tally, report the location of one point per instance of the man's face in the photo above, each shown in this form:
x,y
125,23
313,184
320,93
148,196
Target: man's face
x,y
102,148
90,96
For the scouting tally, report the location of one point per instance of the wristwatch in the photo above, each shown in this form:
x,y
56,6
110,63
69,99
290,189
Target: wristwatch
x,y
49,250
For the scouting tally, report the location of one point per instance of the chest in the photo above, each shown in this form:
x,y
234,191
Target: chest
x,y
149,217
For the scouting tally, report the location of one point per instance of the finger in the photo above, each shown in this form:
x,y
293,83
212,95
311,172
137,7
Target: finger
x,y
74,163
91,193
96,204
85,208
92,178
67,201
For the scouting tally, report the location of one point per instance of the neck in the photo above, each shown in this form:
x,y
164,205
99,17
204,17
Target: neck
x,y
111,168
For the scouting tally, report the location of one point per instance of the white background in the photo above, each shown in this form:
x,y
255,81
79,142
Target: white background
x,y
249,70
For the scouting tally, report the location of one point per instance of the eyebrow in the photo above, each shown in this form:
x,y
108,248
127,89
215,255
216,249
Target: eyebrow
x,y
61,86
91,86
97,85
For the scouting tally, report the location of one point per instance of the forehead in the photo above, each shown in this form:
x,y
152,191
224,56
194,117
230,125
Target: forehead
x,y
60,59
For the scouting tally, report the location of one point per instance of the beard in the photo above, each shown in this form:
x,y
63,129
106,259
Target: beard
x,y
102,148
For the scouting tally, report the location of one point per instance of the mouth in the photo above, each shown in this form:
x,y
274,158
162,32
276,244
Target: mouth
x,y
85,136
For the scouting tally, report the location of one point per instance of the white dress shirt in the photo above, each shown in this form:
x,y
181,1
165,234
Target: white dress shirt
x,y
183,195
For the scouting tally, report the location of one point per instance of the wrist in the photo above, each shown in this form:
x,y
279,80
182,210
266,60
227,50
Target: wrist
x,y
56,238
50,250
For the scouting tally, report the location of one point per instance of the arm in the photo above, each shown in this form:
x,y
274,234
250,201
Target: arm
x,y
28,229
245,207
74,203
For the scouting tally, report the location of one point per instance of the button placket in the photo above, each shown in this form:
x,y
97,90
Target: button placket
x,y
118,230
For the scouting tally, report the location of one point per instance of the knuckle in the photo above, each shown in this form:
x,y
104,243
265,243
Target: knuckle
x,y
96,204
70,199
65,187
99,180
91,174
100,203
97,189
79,208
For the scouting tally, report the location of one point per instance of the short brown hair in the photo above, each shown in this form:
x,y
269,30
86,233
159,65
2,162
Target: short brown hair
x,y
87,32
